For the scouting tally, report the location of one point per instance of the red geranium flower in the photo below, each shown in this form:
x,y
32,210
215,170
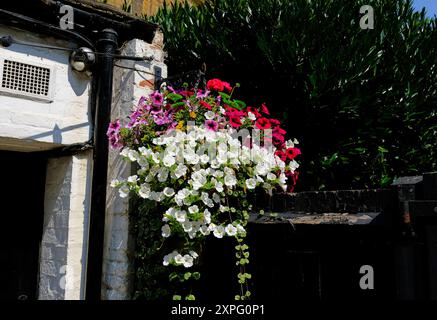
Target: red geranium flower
x,y
215,85
281,154
264,109
263,123
226,86
205,105
292,153
235,122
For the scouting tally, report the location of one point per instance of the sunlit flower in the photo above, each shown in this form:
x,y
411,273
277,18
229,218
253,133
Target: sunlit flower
x,y
219,232
231,230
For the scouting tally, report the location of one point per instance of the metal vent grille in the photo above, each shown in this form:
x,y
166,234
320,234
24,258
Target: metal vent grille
x,y
27,78
21,79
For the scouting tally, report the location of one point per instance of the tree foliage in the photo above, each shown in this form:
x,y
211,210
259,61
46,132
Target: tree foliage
x,y
362,102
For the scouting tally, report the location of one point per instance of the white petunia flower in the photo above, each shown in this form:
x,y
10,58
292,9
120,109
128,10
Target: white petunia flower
x,y
132,179
289,144
219,186
207,216
163,174
210,203
181,170
143,162
209,115
168,161
193,209
231,230
171,212
204,230
193,254
181,215
144,191
156,157
168,258
223,208
251,116
271,176
187,226
115,183
230,180
142,171
216,197
168,191
218,173
251,183
188,261
179,259
166,231
133,155
219,232
282,178
123,191
204,158
125,152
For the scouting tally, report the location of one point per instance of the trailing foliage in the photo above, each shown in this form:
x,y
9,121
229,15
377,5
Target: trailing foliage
x,y
371,93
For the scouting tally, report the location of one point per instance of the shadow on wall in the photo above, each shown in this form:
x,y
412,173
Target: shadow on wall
x,y
57,132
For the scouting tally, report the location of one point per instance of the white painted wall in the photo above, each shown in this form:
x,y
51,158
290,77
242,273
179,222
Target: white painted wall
x,y
27,124
64,243
63,121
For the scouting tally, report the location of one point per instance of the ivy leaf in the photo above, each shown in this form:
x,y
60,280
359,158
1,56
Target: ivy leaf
x,y
173,276
187,275
196,275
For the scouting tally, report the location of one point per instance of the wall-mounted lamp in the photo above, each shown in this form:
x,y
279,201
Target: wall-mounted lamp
x,y
82,59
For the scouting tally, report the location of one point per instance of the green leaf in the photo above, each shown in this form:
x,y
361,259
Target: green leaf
x,y
241,104
178,104
196,275
174,96
177,297
187,275
382,149
224,95
173,276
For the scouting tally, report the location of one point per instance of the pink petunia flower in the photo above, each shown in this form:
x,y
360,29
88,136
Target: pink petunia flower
x,y
157,98
211,125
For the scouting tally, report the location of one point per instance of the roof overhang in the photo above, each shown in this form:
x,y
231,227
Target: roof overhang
x,y
89,18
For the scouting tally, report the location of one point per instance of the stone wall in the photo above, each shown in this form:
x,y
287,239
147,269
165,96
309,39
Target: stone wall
x,y
129,86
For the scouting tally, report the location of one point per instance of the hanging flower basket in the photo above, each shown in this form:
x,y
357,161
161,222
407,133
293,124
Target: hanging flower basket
x,y
200,153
